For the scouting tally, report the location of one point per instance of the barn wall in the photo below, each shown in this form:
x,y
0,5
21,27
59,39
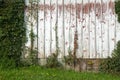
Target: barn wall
x,y
88,28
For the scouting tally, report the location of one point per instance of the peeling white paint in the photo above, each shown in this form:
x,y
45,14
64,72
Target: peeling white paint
x,y
98,29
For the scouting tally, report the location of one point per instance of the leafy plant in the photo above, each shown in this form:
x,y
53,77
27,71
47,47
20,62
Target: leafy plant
x,y
71,59
52,61
12,32
112,64
29,57
117,8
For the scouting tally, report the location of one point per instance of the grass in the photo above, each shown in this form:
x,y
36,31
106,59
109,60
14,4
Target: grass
x,y
39,73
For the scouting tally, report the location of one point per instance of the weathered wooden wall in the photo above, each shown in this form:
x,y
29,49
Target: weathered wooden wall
x,y
87,27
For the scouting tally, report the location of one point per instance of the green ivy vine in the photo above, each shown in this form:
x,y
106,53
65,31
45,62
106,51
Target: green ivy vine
x,y
12,32
117,9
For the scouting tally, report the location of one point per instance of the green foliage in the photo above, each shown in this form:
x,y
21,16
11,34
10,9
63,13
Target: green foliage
x,y
71,59
117,9
7,63
116,52
29,57
12,32
52,61
40,73
32,57
112,64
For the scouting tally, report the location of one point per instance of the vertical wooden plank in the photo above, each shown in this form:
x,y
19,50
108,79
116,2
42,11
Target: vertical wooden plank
x,y
85,29
95,31
47,27
56,27
79,27
41,30
63,28
73,22
60,29
28,27
102,22
101,36
76,33
82,30
88,26
112,30
26,22
70,6
102,29
66,25
108,36
50,8
35,25
105,29
53,22
92,29
44,30
98,28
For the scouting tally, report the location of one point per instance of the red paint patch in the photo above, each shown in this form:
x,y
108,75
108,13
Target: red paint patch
x,y
86,8
103,21
72,26
113,39
104,7
66,28
86,37
60,8
113,24
66,43
78,7
41,19
83,26
41,7
84,50
91,6
112,6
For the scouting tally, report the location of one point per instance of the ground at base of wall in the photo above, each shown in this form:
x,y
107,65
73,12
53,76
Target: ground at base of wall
x,y
90,65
